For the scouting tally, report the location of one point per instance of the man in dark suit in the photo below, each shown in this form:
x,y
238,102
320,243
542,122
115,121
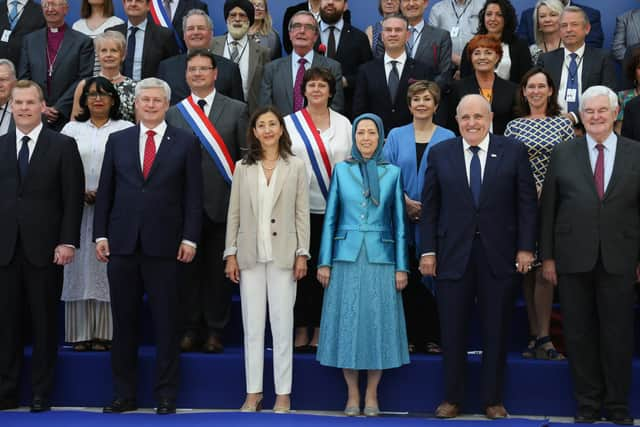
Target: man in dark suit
x,y
7,82
577,58
480,207
18,19
198,31
382,84
590,247
631,122
42,195
179,9
147,222
147,43
57,58
350,46
206,301
427,44
282,78
595,38
312,6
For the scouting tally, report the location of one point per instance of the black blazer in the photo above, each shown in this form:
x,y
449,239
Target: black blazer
x,y
577,227
229,82
286,41
502,102
353,51
520,60
73,63
30,21
46,208
159,44
184,6
631,120
372,92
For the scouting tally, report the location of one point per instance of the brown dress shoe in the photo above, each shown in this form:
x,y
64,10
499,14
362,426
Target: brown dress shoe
x,y
447,410
496,411
187,343
213,345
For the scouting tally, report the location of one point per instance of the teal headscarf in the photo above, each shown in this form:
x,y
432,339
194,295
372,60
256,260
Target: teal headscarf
x,y
369,168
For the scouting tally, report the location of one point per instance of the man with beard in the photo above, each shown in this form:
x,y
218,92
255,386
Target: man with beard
x,y
344,43
250,56
198,31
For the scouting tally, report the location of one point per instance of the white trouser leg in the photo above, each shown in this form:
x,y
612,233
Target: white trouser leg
x,y
253,298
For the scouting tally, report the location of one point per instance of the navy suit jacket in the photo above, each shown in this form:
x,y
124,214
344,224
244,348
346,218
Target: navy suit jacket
x,y
595,37
30,20
506,218
156,213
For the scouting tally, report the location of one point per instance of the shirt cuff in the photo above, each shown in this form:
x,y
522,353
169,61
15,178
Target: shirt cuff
x,y
189,243
100,239
428,254
229,251
303,252
67,246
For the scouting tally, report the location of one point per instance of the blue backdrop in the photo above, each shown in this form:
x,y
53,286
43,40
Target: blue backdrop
x,y
364,12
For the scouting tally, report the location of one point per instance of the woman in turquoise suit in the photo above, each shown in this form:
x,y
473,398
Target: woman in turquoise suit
x,y
408,147
363,266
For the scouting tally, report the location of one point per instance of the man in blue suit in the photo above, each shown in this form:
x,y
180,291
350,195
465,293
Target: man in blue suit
x,y
147,224
480,207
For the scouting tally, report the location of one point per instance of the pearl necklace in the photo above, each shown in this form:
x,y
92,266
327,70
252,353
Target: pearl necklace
x,y
111,79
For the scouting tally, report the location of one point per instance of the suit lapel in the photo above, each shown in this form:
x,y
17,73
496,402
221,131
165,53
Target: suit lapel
x,y
10,156
253,52
381,76
494,156
216,109
38,156
177,17
281,178
163,152
217,45
459,169
252,180
620,164
288,78
587,67
584,164
64,48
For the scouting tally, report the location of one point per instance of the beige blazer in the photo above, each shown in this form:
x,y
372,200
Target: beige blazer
x,y
289,217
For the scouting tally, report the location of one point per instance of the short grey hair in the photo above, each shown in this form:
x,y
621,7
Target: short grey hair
x,y
196,12
10,66
576,9
153,83
595,91
396,16
470,96
554,5
114,36
307,13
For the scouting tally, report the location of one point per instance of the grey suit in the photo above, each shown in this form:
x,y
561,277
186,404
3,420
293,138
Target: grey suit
x,y
206,295
259,56
277,83
434,50
73,63
627,33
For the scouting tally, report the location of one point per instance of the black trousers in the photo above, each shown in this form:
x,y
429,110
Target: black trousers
x,y
597,310
456,299
420,307
130,276
39,288
308,307
205,297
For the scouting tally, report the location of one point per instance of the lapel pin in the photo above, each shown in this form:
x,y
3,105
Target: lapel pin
x,y
493,155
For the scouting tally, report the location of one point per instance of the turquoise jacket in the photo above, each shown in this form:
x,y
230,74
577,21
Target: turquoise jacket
x,y
352,220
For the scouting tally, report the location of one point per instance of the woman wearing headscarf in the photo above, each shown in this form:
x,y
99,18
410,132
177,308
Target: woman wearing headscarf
x,y
363,266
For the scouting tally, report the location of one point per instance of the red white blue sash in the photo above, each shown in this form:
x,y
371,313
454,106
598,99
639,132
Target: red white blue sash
x,y
208,136
162,17
316,151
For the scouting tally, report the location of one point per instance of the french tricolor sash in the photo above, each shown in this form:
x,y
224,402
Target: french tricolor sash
x,y
162,17
208,136
316,151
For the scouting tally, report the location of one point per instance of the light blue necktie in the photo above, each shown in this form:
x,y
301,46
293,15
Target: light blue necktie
x,y
412,41
475,176
572,83
13,14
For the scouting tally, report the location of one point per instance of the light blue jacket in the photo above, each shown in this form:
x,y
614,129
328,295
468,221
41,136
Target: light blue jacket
x,y
352,220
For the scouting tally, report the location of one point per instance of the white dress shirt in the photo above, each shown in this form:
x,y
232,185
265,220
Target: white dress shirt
x,y
5,118
265,194
562,89
157,138
33,135
400,61
324,32
19,7
610,144
482,155
243,59
137,54
208,99
294,63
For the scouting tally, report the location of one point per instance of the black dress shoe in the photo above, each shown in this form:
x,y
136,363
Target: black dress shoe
x,y
8,403
188,342
213,345
586,417
40,404
166,407
620,417
120,405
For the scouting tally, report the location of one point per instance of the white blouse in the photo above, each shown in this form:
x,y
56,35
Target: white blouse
x,y
265,207
81,25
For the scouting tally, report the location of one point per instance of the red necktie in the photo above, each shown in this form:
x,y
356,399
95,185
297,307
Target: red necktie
x,y
298,98
149,154
598,173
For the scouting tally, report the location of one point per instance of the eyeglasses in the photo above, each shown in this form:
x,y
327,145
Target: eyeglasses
x,y
304,27
48,5
199,69
96,95
240,16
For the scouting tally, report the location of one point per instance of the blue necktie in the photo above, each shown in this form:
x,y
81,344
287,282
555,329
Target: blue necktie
x,y
13,14
23,158
572,83
131,51
475,176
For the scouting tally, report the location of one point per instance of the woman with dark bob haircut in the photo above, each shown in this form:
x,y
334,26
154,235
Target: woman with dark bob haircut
x,y
316,131
88,324
498,19
540,127
631,68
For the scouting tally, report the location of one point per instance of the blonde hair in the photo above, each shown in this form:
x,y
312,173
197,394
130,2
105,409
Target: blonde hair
x,y
266,25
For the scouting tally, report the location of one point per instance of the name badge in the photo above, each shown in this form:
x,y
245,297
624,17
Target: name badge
x,y
5,36
455,31
571,95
